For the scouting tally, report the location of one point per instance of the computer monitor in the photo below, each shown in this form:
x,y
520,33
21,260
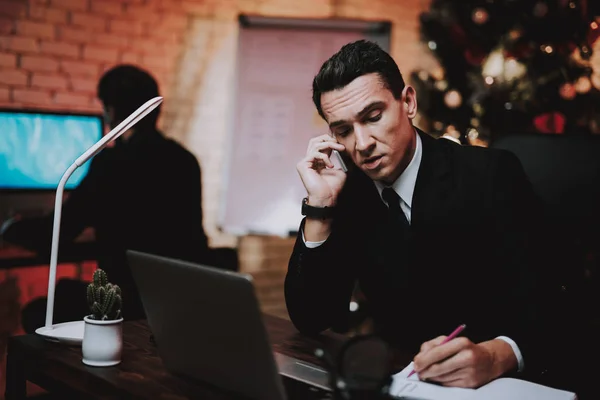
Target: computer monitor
x,y
37,147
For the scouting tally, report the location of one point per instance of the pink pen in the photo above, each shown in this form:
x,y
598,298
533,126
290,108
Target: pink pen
x,y
450,337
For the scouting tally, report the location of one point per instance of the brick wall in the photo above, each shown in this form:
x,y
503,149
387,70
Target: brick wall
x,y
52,53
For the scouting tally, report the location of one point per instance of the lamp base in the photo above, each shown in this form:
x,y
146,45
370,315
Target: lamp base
x,y
69,333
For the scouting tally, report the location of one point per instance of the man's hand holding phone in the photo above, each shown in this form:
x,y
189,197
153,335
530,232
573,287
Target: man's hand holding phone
x,y
323,182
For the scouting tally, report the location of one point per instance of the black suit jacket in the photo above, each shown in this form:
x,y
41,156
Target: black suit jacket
x,y
144,194
471,258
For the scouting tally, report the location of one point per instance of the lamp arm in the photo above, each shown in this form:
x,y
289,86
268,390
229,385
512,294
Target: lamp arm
x,y
55,241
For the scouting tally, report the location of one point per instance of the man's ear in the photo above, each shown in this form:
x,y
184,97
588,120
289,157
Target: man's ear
x,y
409,99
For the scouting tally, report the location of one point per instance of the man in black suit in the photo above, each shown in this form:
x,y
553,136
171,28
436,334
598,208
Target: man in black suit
x,y
436,234
144,193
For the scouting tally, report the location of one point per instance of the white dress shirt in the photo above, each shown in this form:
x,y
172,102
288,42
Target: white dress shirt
x,y
404,186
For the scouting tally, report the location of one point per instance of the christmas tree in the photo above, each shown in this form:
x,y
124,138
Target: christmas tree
x,y
510,67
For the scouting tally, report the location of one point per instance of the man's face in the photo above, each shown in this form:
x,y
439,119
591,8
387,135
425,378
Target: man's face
x,y
111,121
374,127
109,117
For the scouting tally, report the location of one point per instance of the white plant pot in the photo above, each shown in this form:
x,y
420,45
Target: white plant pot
x,y
102,342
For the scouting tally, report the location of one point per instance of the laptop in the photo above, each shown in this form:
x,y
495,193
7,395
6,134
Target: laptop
x,y
208,326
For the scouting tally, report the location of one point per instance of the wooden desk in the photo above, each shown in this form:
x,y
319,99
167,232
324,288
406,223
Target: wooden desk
x,y
83,249
141,374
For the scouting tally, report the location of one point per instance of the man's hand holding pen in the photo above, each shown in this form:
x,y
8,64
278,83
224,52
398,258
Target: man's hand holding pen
x,y
462,363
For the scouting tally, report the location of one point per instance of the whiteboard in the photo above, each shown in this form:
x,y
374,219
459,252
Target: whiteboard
x,y
273,119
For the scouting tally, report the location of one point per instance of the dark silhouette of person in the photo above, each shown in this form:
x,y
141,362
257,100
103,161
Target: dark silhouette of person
x,y
144,193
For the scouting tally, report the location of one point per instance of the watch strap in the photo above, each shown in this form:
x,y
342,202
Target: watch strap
x,y
316,212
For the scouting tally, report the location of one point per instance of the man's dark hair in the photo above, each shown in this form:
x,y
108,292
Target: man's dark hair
x,y
351,61
125,88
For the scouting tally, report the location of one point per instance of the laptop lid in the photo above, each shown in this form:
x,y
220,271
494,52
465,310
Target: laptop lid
x,y
207,324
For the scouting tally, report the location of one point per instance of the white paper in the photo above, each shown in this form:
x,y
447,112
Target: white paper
x,y
500,389
406,371
517,389
412,388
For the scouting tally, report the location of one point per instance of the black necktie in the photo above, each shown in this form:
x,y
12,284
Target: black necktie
x,y
396,214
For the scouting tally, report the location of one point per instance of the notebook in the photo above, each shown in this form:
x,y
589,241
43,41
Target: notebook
x,y
502,388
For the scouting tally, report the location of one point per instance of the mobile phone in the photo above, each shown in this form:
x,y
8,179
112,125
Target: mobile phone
x,y
340,160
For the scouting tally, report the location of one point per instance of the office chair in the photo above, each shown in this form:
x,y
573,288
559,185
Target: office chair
x,y
565,173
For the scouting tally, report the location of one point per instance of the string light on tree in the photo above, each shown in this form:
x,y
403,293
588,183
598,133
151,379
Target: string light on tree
x,y
480,16
472,134
438,126
595,60
594,32
475,138
514,34
546,48
438,73
453,99
452,134
441,85
501,68
513,70
494,64
540,9
567,91
583,85
595,79
585,52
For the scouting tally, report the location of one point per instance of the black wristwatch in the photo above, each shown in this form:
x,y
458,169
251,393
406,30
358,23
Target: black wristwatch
x,y
316,212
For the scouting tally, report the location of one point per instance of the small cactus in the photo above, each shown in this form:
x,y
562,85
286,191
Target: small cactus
x,y
103,298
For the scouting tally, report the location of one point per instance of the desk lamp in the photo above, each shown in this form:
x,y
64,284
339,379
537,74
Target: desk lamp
x,y
72,332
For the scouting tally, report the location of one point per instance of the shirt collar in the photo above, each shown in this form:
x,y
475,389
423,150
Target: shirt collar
x,y
405,184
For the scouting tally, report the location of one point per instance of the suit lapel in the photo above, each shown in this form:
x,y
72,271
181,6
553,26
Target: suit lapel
x,y
433,182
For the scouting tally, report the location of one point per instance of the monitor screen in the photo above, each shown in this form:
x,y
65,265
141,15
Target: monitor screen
x,y
36,148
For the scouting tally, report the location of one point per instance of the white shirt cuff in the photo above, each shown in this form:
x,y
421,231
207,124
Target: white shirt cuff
x,y
311,245
515,348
